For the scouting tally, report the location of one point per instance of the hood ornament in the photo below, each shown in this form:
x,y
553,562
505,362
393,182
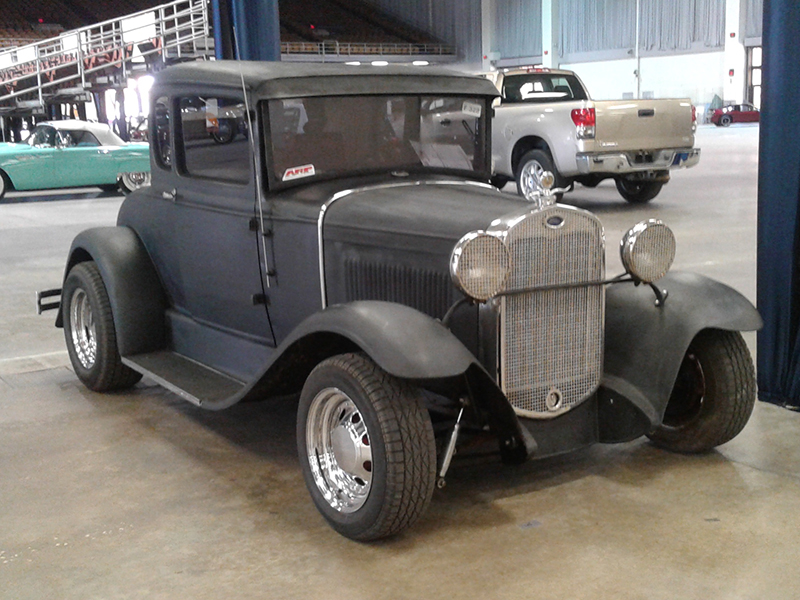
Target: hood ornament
x,y
537,186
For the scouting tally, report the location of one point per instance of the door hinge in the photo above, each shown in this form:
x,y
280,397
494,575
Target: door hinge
x,y
259,299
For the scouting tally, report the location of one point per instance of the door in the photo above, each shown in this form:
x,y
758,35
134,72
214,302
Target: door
x,y
81,160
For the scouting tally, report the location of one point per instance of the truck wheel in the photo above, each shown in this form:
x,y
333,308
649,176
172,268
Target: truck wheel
x,y
89,332
713,396
366,448
725,120
531,166
129,182
638,192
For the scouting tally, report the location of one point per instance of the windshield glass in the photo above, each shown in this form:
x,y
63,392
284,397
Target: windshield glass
x,y
542,87
339,135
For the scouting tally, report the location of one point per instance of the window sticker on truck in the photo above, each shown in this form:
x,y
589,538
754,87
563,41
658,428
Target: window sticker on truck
x,y
297,172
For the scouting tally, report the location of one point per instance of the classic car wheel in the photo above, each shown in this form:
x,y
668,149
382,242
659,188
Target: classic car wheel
x,y
225,133
638,192
128,182
4,184
531,166
713,396
725,120
89,331
366,448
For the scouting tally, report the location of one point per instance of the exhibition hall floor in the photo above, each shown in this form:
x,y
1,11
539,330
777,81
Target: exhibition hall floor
x,y
142,495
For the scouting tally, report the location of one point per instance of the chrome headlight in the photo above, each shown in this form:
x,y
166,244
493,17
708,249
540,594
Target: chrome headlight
x,y
647,250
479,265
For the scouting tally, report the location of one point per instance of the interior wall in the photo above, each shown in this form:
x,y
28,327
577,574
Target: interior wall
x,y
696,76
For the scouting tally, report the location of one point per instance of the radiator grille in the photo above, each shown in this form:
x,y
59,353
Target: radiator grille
x,y
430,292
552,340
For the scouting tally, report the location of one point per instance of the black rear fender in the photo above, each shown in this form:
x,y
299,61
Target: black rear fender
x,y
137,298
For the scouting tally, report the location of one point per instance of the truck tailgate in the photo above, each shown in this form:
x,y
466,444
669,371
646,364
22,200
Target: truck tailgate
x,y
643,124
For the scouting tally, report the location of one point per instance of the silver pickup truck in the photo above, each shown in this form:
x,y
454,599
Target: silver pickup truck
x,y
546,121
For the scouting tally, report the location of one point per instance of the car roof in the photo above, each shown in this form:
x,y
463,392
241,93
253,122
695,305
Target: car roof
x,y
289,79
101,131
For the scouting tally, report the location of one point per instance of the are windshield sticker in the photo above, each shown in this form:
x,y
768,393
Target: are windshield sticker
x,y
298,172
473,109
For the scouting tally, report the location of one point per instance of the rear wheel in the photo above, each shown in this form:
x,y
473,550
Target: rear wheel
x,y
713,395
638,191
90,334
366,448
128,182
529,171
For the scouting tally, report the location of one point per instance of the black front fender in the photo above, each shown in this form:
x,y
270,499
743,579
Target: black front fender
x,y
403,342
645,344
134,290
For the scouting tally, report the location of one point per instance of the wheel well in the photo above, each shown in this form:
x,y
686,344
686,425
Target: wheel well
x,y
5,176
525,144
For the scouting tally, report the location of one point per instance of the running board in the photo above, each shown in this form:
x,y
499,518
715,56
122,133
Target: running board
x,y
189,379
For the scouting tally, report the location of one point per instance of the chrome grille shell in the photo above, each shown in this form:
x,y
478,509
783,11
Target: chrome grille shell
x,y
551,339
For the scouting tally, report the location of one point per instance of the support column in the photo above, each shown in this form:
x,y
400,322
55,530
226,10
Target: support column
x,y
550,30
488,30
735,56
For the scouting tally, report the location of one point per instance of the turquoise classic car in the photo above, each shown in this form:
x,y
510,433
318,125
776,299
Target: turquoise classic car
x,y
62,154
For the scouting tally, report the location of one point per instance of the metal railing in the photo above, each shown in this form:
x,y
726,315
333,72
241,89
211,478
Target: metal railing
x,y
179,28
334,48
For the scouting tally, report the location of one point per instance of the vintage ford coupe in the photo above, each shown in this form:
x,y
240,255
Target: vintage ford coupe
x,y
348,248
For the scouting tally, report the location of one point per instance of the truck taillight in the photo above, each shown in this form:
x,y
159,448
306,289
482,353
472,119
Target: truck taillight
x,y
694,118
584,120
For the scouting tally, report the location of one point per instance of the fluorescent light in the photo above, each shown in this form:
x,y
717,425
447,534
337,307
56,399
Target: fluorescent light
x,y
355,63
420,63
379,63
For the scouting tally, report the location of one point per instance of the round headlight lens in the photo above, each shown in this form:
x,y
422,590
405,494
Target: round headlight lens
x,y
648,250
479,265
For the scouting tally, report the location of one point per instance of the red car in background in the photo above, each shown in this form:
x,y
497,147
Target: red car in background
x,y
735,113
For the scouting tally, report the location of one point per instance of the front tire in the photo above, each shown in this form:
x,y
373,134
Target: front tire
x,y
366,448
713,396
638,192
5,184
90,334
725,120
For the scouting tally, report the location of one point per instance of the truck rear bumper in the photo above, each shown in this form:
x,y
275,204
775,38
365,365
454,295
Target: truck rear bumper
x,y
631,162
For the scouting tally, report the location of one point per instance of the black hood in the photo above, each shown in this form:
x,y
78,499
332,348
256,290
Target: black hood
x,y
434,211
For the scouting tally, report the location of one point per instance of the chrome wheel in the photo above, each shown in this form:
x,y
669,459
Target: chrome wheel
x,y
136,180
531,177
84,335
339,451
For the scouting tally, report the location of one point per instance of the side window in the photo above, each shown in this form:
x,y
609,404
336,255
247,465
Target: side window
x,y
162,138
215,141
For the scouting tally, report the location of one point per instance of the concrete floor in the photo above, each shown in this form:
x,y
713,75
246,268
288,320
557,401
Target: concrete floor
x,y
141,495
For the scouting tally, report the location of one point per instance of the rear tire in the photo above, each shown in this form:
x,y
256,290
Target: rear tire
x,y
532,164
638,192
89,332
129,182
713,395
366,448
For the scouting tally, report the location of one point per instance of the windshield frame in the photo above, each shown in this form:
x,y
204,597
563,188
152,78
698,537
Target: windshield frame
x,y
273,181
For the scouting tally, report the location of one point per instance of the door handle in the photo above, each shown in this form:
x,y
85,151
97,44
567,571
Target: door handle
x,y
170,195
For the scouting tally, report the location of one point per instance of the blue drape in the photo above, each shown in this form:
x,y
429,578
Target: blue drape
x,y
779,207
247,29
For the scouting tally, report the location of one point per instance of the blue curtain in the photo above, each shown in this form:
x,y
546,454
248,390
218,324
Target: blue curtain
x,y
779,208
247,29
